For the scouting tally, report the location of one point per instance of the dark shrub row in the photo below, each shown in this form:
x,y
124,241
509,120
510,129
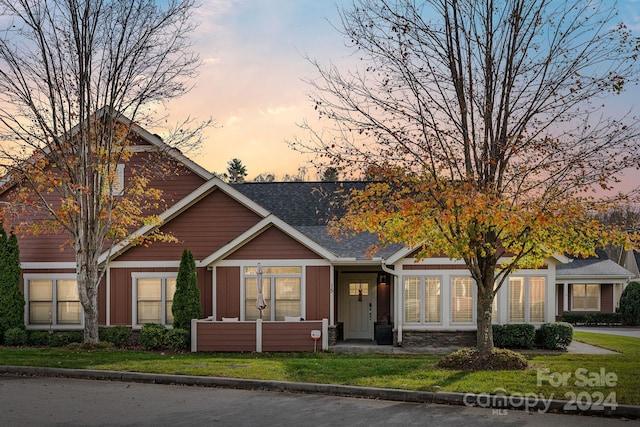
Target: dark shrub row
x,y
592,319
552,336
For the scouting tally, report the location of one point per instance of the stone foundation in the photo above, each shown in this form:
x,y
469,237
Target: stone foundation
x,y
436,338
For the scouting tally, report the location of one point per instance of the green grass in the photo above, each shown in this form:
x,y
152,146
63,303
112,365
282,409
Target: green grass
x,y
410,372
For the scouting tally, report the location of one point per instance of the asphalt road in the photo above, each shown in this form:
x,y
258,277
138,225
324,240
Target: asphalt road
x,y
34,401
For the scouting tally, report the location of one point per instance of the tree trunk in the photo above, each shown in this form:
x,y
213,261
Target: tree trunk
x,y
88,280
484,308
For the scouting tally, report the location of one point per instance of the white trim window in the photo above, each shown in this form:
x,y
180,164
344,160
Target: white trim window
x,y
153,297
282,291
527,299
52,301
462,302
422,299
585,297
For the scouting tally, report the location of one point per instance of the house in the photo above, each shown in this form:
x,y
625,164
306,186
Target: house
x,y
318,289
590,285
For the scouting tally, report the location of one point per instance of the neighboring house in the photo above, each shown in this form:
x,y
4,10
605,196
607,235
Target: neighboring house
x,y
590,285
278,232
631,261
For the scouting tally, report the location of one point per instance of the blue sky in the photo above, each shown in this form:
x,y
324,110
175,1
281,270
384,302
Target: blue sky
x,y
251,81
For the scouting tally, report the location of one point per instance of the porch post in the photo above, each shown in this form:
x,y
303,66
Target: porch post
x,y
194,335
258,335
332,294
565,297
325,334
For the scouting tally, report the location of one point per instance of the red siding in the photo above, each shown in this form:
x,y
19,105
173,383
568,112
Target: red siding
x,y
318,304
226,336
289,336
273,244
228,292
203,228
606,298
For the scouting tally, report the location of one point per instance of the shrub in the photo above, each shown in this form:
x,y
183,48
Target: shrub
x,y
554,336
186,300
11,298
596,318
152,336
515,335
117,335
470,359
39,338
61,339
15,336
630,305
177,339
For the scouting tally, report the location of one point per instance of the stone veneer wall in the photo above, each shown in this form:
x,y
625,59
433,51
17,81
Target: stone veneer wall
x,y
436,338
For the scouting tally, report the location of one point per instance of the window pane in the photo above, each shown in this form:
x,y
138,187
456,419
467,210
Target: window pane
x,y
287,297
516,299
578,290
149,311
593,291
358,288
40,312
150,289
67,290
169,314
412,299
251,294
68,312
40,290
461,300
170,288
536,299
432,299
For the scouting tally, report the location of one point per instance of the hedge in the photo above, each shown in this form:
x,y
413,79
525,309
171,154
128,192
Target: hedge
x,y
514,335
591,318
554,336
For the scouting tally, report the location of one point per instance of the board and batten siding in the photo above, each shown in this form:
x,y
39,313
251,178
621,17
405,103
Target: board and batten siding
x,y
318,292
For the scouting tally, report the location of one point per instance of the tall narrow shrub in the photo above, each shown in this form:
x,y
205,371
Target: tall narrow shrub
x,y
11,298
186,300
630,304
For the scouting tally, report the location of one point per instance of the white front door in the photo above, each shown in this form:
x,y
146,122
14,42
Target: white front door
x,y
358,308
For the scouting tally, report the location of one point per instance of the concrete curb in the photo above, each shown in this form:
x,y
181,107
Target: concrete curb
x,y
493,401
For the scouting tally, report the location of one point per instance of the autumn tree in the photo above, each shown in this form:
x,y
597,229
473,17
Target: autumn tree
x,y
488,122
68,69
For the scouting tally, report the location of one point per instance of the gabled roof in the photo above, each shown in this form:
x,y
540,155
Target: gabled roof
x,y
593,269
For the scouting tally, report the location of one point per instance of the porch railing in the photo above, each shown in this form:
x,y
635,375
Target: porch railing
x,y
258,336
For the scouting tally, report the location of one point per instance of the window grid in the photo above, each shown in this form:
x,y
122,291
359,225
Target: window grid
x,y
281,289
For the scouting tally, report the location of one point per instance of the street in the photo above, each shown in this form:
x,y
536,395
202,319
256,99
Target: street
x,y
32,401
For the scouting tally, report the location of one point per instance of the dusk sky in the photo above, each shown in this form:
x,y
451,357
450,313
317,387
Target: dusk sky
x,y
251,81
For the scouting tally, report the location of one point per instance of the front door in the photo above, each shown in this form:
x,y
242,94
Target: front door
x,y
358,307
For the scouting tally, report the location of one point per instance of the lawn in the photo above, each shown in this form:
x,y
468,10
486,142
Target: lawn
x,y
558,376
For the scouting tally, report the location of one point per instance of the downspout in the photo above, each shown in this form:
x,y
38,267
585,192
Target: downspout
x,y
397,313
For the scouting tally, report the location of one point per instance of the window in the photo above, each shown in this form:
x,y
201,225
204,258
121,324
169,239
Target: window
x,y
585,297
153,298
53,301
282,291
526,299
117,185
422,299
461,300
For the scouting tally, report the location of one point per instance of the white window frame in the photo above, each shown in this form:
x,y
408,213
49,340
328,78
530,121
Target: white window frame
x,y
527,298
573,296
474,297
54,312
272,283
422,299
163,276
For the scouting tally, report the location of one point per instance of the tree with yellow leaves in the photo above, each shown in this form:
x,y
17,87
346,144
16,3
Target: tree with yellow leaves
x,y
487,127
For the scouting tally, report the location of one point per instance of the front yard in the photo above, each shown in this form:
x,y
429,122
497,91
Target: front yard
x,y
561,376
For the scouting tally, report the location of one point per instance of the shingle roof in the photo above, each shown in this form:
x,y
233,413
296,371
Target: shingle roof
x,y
592,268
300,203
309,206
